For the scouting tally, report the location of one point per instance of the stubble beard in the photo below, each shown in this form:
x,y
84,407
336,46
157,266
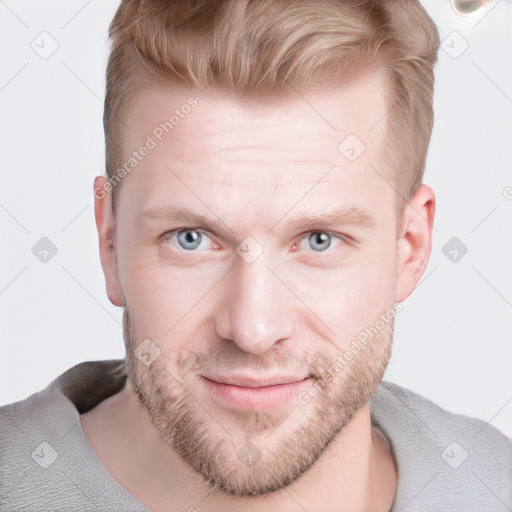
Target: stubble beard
x,y
282,455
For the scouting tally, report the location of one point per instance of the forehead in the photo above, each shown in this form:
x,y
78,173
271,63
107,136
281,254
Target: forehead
x,y
247,148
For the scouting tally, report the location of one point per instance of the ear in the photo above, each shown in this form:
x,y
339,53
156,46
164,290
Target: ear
x,y
414,242
105,224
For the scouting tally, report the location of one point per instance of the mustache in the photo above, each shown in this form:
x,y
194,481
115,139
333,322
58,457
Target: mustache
x,y
229,359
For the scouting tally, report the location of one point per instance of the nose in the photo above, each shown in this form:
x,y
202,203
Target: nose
x,y
256,310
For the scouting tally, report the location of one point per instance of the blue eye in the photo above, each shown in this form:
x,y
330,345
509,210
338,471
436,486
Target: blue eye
x,y
189,239
319,241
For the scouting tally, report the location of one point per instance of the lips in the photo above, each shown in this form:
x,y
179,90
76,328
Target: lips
x,y
255,381
252,392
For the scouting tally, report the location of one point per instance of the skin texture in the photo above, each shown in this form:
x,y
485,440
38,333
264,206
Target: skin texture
x,y
251,168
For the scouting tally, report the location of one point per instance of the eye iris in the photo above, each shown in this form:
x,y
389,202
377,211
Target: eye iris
x,y
189,239
319,241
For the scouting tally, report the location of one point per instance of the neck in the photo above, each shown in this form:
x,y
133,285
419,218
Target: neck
x,y
356,471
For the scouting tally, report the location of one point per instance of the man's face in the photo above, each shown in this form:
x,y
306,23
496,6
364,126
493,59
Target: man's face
x,y
248,292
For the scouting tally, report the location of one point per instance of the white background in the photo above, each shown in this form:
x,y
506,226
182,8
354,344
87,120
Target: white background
x,y
453,338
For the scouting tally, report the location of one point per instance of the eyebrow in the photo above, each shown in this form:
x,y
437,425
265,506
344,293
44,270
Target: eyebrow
x,y
349,216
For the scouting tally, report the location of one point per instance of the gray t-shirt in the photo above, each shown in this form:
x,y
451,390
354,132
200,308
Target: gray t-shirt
x,y
446,462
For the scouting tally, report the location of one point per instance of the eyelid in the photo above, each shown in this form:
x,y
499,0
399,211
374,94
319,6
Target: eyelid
x,y
326,231
339,236
173,232
177,230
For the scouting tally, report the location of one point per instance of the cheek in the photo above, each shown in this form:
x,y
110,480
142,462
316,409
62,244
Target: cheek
x,y
163,299
350,298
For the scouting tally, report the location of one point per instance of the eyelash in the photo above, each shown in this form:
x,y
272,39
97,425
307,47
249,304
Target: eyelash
x,y
334,236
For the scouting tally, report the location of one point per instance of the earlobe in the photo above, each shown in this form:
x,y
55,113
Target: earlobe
x,y
414,241
105,225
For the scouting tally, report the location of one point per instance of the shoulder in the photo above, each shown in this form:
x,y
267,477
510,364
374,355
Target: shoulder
x,y
445,460
46,461
32,450
392,401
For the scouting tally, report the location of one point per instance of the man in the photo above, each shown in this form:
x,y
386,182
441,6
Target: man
x,y
262,218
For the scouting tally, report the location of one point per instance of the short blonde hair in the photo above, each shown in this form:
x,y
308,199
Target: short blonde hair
x,y
259,47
